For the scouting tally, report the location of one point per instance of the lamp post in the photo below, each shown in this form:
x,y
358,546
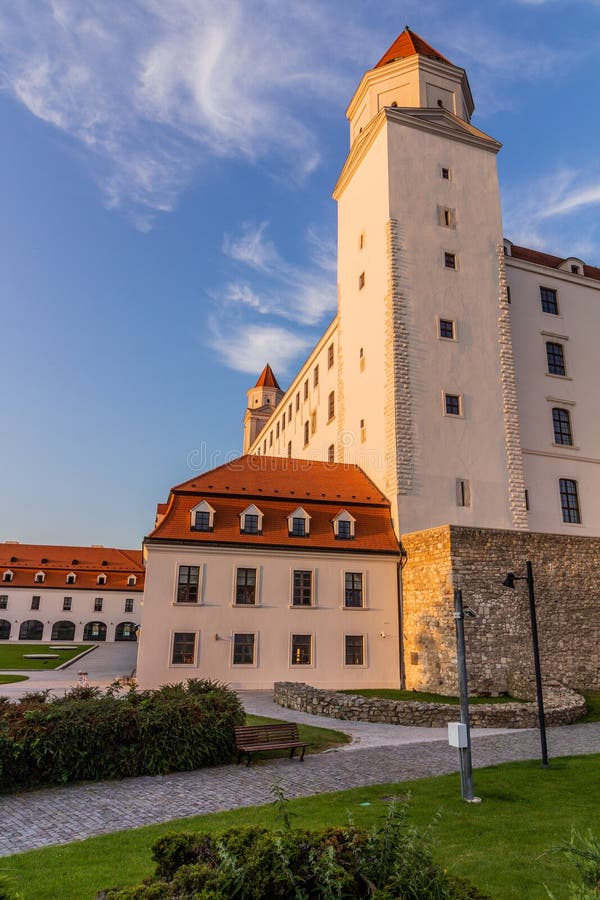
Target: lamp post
x,y
466,764
509,582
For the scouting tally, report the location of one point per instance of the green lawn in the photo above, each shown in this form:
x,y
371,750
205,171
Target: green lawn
x,y
592,698
11,655
10,679
425,697
318,739
498,845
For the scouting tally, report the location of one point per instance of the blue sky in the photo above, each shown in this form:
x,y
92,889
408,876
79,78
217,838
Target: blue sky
x,y
167,227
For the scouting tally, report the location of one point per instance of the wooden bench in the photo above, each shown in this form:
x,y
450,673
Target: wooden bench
x,y
250,738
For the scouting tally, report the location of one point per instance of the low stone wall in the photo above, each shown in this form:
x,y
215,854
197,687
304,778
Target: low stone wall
x,y
561,706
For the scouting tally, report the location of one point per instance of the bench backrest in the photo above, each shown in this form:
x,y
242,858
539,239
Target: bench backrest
x,y
265,734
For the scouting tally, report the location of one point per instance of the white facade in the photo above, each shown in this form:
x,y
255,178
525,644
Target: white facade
x,y
213,621
442,389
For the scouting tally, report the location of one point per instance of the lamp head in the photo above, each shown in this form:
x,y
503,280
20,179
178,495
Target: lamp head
x,y
509,581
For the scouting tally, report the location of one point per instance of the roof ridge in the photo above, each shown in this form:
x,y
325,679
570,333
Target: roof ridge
x,y
409,43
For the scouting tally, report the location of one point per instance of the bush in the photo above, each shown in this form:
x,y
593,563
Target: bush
x,y
87,735
584,852
391,861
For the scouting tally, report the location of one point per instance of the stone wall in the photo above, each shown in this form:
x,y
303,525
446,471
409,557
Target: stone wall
x,y
499,647
561,707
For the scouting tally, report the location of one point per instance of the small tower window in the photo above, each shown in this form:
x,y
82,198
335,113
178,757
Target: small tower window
x,y
306,433
289,450
330,356
450,260
101,579
445,173
7,576
331,453
361,281
131,580
71,578
39,578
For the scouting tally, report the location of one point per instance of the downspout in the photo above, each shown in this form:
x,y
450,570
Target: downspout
x,y
399,566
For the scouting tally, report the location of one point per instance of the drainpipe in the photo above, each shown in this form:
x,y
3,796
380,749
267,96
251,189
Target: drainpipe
x,y
399,567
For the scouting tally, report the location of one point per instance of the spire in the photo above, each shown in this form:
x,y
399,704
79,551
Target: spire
x,y
408,44
267,378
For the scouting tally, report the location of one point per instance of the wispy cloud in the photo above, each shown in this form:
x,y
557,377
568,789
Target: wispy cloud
x,y
248,349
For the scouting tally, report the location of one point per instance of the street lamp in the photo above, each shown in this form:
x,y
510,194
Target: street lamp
x,y
509,582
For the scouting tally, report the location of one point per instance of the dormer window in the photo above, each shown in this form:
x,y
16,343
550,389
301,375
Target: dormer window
x,y
71,578
572,265
131,580
299,523
39,578
251,520
202,517
7,576
344,526
507,247
101,579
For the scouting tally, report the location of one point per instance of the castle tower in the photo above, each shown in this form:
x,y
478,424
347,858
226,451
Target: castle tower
x,y
262,400
425,364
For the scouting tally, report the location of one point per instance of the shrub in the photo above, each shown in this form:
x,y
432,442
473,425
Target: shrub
x,y
87,735
584,852
391,861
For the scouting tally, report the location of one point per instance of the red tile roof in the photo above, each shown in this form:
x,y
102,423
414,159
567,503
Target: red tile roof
x,y
409,44
278,485
56,562
267,378
552,262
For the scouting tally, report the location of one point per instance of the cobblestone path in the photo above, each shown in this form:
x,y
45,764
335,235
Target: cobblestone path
x,y
60,815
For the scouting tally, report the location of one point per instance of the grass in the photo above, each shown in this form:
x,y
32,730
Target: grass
x,y
318,739
11,655
592,699
425,697
10,679
498,845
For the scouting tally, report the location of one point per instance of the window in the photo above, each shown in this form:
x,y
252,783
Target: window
x,y
463,492
353,590
67,603
71,578
101,579
243,649
289,450
306,389
39,578
297,401
270,439
302,588
344,530
330,356
187,584
561,420
549,300
251,520
301,649
331,406
446,217
569,501
3,601
361,240
527,500
447,329
452,404
283,422
290,413
354,650
313,422
264,446
131,580
35,602
277,430
575,270
245,587
361,281
450,260
305,433
556,358
344,525
184,648
129,604
331,453
298,527
445,173
8,576
508,294
363,431
98,604
202,520
315,376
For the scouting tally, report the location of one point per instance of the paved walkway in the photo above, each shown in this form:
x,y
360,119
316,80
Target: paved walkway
x,y
61,815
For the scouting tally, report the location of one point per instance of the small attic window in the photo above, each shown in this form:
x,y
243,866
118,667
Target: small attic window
x,y
7,576
101,579
575,269
507,247
74,562
202,517
251,520
44,561
39,578
131,580
71,578
298,523
344,526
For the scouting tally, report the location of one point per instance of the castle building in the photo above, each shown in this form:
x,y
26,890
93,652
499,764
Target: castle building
x,y
62,594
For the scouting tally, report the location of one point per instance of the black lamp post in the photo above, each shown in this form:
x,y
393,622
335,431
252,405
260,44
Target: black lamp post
x,y
509,582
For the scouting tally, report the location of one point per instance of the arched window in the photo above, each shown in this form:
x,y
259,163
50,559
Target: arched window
x,y
126,631
4,629
63,631
101,579
31,630
94,631
39,578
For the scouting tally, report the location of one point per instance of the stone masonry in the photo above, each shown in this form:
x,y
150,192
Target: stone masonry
x,y
499,647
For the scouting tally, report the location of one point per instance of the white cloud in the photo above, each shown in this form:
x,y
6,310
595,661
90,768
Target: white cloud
x,y
252,346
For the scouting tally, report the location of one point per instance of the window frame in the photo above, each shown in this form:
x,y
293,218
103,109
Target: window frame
x,y
178,665
67,605
301,588
244,665
331,406
128,605
179,584
558,429
566,507
556,343
363,588
35,602
98,604
330,356
448,255
446,396
3,601
553,301
346,664
236,585
442,320
300,665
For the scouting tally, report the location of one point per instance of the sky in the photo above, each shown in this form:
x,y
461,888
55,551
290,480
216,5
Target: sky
x,y
167,227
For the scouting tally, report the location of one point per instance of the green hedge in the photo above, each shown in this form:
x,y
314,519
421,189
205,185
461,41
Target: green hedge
x,y
90,735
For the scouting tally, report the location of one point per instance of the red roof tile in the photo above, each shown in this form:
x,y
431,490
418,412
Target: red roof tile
x,y
56,562
278,485
547,259
267,378
409,44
